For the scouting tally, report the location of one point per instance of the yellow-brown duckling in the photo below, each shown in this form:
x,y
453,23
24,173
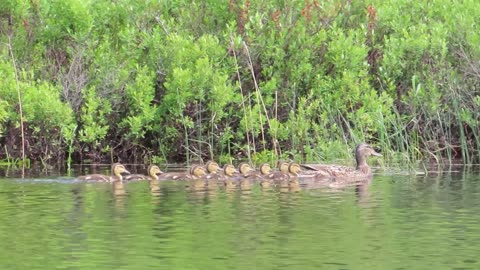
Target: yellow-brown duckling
x,y
229,176
266,175
153,173
117,171
213,174
248,173
212,167
283,166
360,172
197,176
195,172
287,177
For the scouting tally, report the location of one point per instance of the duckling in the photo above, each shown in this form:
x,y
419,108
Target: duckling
x,y
212,168
266,175
361,172
250,172
282,166
286,180
195,172
198,176
153,172
247,172
117,171
229,172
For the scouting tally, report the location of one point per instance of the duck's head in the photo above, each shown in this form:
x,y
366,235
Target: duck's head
x,y
282,166
118,169
212,167
245,168
154,171
294,168
229,170
197,171
364,150
265,169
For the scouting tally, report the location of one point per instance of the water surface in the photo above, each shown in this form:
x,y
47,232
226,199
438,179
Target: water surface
x,y
398,221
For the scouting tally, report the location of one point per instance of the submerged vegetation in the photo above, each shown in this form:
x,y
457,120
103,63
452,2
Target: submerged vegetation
x,y
180,80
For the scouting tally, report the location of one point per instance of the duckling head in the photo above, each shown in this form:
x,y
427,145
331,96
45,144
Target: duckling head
x,y
282,166
245,168
229,170
118,169
197,171
212,167
154,171
265,169
294,168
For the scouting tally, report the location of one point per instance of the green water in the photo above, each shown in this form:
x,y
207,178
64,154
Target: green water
x,y
395,222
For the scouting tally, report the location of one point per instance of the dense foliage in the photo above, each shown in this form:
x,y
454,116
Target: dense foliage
x,y
174,80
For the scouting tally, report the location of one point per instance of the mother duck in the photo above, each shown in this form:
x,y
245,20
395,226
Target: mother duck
x,y
361,172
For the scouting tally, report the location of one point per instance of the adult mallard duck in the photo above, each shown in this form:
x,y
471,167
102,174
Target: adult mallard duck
x,y
117,171
153,173
360,172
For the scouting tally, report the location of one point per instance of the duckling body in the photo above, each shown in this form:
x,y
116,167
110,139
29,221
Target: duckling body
x,y
266,175
197,177
360,172
212,168
230,176
117,171
287,176
248,173
153,173
213,174
195,172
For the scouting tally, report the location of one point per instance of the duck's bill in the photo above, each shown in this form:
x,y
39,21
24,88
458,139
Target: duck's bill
x,y
376,154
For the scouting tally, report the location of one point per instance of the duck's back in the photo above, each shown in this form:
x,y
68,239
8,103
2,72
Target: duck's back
x,y
337,171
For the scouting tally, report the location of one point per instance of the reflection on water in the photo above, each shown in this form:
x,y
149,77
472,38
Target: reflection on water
x,y
398,221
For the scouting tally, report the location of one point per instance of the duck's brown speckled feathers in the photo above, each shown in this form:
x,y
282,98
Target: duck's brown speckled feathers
x,y
362,170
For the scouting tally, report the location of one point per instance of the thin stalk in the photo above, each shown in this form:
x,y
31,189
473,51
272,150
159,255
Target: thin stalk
x,y
19,97
277,149
211,136
199,125
258,94
243,99
185,133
